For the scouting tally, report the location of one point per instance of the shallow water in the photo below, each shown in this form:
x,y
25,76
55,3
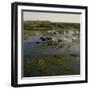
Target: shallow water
x,y
71,55
31,48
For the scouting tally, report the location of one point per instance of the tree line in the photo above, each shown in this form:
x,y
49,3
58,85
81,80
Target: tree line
x,y
47,25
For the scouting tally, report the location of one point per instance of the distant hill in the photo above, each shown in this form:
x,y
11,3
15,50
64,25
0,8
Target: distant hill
x,y
46,25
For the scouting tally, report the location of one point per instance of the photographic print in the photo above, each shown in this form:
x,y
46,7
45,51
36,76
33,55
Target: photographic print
x,y
50,46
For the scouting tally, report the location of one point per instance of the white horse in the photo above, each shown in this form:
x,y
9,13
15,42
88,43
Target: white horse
x,y
67,41
54,39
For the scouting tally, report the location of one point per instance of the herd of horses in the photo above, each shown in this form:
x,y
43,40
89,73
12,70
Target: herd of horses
x,y
58,41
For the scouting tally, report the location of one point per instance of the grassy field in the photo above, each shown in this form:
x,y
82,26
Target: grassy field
x,y
50,65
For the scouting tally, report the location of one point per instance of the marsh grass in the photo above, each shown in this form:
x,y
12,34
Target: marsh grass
x,y
48,65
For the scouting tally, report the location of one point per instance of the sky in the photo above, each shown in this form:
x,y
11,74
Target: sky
x,y
53,17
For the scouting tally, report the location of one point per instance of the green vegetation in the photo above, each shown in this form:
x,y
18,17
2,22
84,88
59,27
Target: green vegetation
x,y
31,27
46,25
49,65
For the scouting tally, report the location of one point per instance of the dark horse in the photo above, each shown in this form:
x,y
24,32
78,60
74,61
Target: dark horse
x,y
45,38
